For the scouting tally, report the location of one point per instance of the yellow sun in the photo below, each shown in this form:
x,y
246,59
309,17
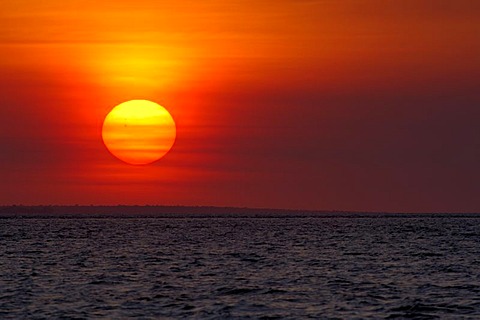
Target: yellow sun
x,y
139,132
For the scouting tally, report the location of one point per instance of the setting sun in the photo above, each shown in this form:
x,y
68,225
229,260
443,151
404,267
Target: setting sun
x,y
139,132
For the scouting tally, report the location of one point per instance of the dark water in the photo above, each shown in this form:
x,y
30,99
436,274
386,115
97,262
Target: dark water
x,y
377,267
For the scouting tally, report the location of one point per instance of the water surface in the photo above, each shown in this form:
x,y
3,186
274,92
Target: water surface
x,y
420,267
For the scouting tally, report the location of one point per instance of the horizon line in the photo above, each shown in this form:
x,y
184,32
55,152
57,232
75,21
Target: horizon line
x,y
214,207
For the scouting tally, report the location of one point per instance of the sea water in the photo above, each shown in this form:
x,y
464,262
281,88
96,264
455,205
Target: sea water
x,y
419,267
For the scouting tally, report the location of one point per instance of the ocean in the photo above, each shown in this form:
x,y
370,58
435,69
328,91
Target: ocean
x,y
322,267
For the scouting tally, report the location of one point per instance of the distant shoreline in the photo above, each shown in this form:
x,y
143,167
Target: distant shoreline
x,y
151,211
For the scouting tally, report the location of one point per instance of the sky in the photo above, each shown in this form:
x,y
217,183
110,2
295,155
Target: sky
x,y
326,105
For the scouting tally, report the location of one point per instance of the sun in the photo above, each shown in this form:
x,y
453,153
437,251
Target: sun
x,y
139,132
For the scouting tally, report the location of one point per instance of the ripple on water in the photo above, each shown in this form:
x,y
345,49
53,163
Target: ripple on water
x,y
377,267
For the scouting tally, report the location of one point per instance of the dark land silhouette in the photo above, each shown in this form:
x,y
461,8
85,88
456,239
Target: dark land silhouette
x,y
147,211
139,211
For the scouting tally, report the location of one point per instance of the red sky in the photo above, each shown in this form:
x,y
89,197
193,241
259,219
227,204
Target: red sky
x,y
341,104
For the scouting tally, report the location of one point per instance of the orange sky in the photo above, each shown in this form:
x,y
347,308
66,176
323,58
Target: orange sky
x,y
342,104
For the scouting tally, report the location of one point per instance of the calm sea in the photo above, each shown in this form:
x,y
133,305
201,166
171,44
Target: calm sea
x,y
420,267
